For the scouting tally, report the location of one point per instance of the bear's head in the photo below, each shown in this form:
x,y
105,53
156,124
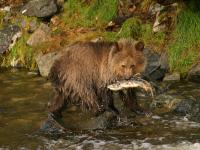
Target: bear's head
x,y
126,58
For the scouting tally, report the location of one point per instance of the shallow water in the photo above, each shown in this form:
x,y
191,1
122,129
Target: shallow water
x,y
23,102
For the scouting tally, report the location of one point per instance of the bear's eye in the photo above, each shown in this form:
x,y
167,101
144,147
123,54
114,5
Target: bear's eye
x,y
123,66
132,66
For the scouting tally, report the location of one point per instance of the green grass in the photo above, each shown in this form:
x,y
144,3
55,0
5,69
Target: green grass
x,y
79,14
2,15
130,28
183,51
153,40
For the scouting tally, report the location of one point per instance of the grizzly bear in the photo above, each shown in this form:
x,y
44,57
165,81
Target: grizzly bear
x,y
82,73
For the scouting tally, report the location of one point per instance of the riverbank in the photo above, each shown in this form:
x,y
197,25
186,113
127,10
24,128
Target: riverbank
x,y
34,32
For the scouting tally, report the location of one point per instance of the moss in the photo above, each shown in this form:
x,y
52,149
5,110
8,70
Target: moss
x,y
145,4
110,36
22,53
184,48
2,15
153,40
130,28
79,14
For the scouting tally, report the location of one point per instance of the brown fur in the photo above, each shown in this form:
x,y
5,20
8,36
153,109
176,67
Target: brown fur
x,y
86,68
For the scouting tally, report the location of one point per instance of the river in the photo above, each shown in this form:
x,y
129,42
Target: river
x,y
23,108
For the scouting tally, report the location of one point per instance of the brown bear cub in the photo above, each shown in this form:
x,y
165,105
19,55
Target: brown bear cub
x,y
82,73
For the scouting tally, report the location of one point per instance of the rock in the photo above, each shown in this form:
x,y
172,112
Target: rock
x,y
194,74
189,107
157,65
40,8
165,17
6,9
42,34
172,77
8,37
45,61
154,8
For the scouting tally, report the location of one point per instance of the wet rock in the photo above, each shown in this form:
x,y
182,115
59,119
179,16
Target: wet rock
x,y
42,34
8,37
157,65
45,61
172,77
52,126
168,102
180,105
194,74
40,8
185,107
86,121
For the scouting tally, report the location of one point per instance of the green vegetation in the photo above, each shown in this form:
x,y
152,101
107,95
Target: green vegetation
x,y
20,54
79,14
2,15
130,28
155,41
184,48
133,28
183,43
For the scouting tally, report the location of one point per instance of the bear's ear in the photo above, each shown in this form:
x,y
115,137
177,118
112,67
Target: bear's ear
x,y
139,46
115,48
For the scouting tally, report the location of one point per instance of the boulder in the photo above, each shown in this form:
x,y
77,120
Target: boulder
x,y
40,8
172,77
8,37
157,65
45,61
42,34
194,74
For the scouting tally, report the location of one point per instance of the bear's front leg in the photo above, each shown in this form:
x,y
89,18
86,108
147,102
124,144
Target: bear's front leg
x,y
130,101
57,105
107,99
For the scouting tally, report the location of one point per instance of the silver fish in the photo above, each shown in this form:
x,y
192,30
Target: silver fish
x,y
135,82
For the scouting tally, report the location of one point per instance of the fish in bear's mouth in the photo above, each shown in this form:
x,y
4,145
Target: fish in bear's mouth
x,y
135,82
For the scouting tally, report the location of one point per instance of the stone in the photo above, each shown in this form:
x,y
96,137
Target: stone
x,y
157,65
45,61
40,8
42,34
155,7
172,77
165,17
6,9
8,37
194,74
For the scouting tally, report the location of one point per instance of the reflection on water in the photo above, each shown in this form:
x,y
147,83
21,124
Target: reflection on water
x,y
23,103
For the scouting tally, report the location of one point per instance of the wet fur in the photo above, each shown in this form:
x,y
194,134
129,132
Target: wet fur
x,y
83,72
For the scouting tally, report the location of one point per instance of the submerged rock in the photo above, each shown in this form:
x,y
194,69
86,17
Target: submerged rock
x,y
40,8
194,74
8,37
